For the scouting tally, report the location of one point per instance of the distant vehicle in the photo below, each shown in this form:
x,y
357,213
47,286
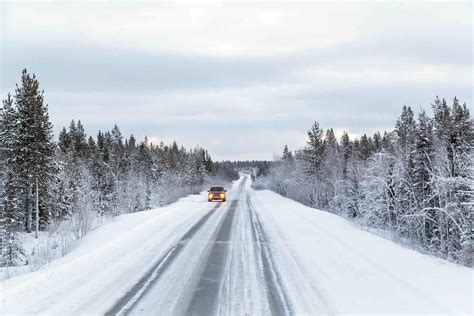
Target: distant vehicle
x,y
216,194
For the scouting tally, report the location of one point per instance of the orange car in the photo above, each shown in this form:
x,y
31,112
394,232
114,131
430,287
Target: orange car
x,y
216,194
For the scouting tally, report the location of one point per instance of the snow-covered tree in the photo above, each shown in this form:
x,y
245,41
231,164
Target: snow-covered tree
x,y
415,181
34,147
81,178
11,213
287,155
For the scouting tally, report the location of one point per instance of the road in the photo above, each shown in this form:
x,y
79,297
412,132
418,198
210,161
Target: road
x,y
221,265
256,254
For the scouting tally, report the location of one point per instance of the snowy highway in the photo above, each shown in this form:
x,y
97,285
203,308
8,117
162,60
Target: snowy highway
x,y
222,265
257,254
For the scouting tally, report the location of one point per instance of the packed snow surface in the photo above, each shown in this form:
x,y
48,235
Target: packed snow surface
x,y
256,253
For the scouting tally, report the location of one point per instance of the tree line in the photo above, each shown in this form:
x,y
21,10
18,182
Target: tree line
x,y
416,181
79,177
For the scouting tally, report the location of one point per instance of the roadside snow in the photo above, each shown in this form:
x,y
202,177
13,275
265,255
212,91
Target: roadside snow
x,y
49,246
105,264
354,271
325,264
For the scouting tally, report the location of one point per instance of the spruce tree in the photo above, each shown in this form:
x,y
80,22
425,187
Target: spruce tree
x,y
64,140
144,167
377,142
8,134
365,148
423,175
346,149
313,153
387,142
332,168
461,137
11,252
442,120
80,140
287,155
424,158
405,130
208,162
34,149
117,151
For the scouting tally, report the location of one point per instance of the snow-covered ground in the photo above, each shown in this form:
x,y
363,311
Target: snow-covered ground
x,y
355,271
49,246
107,261
256,253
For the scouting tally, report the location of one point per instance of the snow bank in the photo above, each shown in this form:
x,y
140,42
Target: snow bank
x,y
354,271
105,264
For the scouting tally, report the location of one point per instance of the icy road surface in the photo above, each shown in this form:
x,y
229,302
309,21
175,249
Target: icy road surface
x,y
257,254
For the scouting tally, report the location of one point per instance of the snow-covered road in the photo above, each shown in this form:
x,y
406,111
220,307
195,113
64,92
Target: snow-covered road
x,y
258,253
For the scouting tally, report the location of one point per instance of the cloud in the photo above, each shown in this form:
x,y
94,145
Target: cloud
x,y
257,75
82,68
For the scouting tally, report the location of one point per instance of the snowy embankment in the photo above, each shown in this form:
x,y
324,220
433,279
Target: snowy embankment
x,y
354,271
108,260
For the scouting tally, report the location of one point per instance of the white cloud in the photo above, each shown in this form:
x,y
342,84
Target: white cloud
x,y
390,75
257,74
210,29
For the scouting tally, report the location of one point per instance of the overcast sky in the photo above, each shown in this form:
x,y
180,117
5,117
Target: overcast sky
x,y
241,80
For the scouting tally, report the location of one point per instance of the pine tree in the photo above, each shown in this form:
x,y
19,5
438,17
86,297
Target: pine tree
x,y
287,155
8,133
117,150
353,181
461,136
387,142
131,145
460,152
442,120
365,148
313,153
11,252
423,175
103,184
91,148
332,169
78,139
208,162
424,158
64,140
346,149
377,142
34,148
405,129
144,167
